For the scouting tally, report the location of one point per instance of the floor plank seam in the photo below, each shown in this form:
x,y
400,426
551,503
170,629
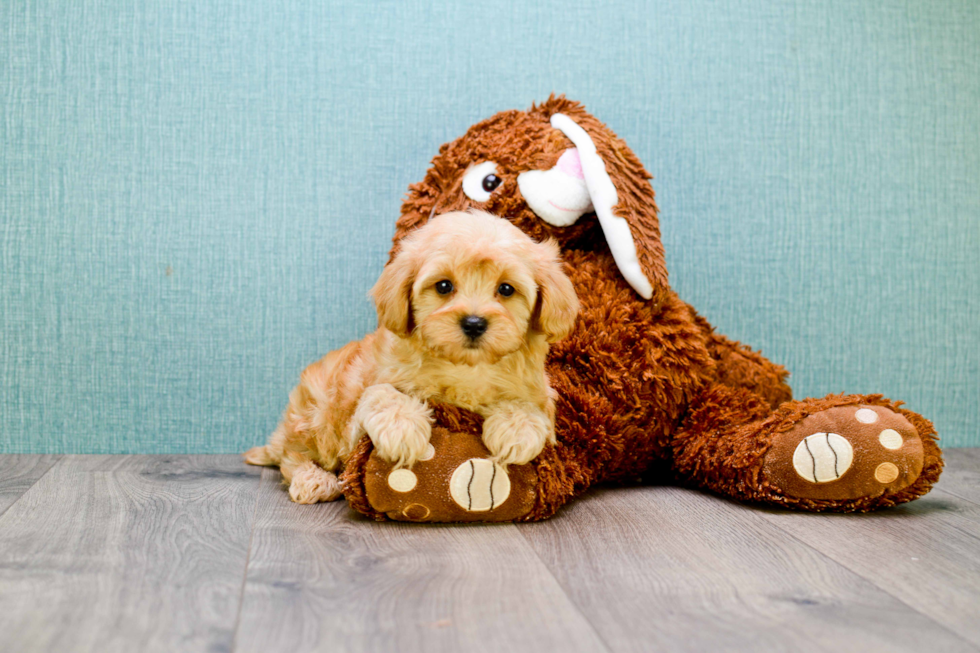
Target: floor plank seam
x,y
969,534
248,560
54,464
959,496
564,589
871,580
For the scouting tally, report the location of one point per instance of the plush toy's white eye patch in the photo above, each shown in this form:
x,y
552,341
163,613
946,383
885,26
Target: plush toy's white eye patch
x,y
481,180
558,196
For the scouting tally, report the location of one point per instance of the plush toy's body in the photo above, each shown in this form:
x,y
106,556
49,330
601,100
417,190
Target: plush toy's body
x,y
645,388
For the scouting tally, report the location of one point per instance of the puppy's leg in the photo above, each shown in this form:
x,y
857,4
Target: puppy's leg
x,y
399,425
516,432
308,482
261,456
308,445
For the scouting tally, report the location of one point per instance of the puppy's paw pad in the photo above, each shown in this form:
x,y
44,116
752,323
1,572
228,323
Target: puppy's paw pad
x,y
846,452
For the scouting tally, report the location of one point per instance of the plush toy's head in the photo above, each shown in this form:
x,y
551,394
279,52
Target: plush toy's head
x,y
555,172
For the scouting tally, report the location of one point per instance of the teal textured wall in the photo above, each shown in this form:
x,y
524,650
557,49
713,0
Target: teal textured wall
x,y
196,195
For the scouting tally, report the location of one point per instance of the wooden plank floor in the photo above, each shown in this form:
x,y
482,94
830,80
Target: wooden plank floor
x,y
202,553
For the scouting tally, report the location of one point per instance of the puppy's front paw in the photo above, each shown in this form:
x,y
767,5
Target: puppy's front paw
x,y
313,484
399,426
515,435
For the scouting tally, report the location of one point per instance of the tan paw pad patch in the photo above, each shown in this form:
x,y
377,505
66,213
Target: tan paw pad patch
x,y
886,472
416,512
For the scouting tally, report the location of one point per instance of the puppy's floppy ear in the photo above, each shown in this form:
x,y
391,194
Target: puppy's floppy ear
x,y
557,303
393,294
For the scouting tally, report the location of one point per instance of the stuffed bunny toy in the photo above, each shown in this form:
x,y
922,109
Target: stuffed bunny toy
x,y
646,390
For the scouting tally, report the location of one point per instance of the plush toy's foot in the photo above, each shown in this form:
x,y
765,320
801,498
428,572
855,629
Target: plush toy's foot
x,y
455,482
853,457
842,453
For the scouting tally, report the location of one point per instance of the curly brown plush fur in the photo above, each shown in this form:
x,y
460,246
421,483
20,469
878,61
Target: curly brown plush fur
x,y
646,388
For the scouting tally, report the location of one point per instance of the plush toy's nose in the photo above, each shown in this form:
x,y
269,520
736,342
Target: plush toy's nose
x,y
558,196
473,326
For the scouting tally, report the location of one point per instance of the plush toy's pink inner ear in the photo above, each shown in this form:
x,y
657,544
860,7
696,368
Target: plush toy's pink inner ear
x,y
571,164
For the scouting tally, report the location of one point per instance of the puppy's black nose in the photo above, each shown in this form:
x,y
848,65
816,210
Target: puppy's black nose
x,y
473,326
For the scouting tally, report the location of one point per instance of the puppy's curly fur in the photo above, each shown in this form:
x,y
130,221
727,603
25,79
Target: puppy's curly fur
x,y
466,311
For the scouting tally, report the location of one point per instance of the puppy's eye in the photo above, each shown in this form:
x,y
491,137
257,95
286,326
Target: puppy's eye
x,y
490,182
444,287
505,290
480,180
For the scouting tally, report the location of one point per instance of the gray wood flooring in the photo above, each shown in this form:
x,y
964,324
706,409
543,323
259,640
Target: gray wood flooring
x,y
202,553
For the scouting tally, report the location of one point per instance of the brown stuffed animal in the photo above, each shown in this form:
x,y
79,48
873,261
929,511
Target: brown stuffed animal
x,y
646,388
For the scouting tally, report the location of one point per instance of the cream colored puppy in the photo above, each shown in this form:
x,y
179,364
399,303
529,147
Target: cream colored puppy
x,y
466,311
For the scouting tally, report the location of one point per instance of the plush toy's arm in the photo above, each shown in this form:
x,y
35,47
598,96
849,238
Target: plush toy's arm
x,y
460,482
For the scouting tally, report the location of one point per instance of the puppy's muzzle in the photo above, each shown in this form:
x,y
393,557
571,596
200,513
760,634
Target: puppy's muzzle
x,y
473,326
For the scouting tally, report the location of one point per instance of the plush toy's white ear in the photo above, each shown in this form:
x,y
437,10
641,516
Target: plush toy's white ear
x,y
603,197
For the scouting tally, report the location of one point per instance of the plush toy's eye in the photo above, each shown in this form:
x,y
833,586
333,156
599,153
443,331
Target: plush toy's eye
x,y
481,180
444,287
490,182
505,290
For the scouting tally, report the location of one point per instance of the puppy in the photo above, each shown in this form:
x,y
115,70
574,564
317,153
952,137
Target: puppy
x,y
466,310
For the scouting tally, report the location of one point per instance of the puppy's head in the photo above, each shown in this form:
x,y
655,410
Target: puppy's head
x,y
470,288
